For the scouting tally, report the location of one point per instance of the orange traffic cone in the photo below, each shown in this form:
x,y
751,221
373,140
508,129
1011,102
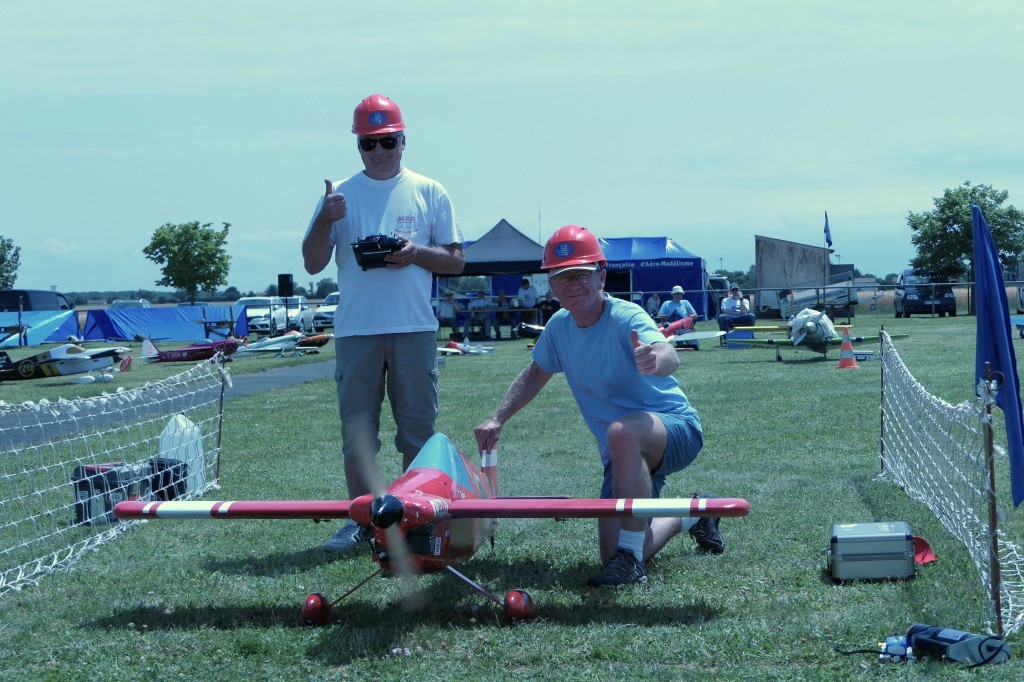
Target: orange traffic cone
x,y
846,359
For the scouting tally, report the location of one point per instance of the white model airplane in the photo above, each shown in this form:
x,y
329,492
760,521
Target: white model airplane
x,y
464,348
63,361
282,344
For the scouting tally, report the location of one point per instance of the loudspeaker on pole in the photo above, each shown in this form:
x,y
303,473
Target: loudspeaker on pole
x,y
285,285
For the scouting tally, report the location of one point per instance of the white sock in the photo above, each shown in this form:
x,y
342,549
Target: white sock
x,y
687,522
634,542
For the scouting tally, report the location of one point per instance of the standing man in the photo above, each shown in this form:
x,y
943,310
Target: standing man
x,y
527,295
383,348
735,311
619,368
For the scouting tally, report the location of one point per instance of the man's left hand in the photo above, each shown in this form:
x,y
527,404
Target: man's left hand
x,y
643,353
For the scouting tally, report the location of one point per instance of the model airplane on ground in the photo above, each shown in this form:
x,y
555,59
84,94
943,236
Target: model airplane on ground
x,y
434,517
682,334
64,360
314,340
282,344
464,348
202,350
807,330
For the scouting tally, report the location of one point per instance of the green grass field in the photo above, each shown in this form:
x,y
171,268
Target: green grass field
x,y
185,600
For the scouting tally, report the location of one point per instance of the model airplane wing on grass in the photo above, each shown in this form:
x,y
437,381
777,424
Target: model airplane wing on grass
x,y
439,512
64,360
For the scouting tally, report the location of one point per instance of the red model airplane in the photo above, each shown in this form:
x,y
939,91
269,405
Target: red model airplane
x,y
202,350
442,508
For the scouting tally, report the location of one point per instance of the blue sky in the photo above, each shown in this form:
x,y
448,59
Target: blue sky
x,y
708,122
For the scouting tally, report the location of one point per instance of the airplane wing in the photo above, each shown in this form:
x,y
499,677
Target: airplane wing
x,y
694,336
240,509
495,507
834,341
567,507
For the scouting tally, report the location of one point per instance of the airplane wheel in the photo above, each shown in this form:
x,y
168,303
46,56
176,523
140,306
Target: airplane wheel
x,y
518,605
316,610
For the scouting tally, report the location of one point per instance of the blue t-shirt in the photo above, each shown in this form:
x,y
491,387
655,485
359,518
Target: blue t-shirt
x,y
599,365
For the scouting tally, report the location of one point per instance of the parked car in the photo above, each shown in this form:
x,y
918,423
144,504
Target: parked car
x,y
33,299
324,317
300,314
263,314
129,303
923,292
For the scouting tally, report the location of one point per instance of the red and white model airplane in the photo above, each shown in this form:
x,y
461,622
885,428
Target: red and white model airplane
x,y
202,350
434,517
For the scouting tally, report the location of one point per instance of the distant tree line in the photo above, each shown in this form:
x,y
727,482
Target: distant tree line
x,y
194,261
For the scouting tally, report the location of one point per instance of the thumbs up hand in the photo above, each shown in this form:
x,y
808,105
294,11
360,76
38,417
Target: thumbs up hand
x,y
333,208
643,354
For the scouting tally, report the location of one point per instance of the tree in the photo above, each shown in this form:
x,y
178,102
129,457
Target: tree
x,y
192,256
325,286
944,236
10,259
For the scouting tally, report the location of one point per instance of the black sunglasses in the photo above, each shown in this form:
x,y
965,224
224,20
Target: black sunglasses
x,y
368,144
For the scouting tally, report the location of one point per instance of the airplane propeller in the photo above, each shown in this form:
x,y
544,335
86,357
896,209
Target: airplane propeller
x,y
808,327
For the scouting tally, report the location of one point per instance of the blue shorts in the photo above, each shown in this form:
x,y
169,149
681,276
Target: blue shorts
x,y
685,439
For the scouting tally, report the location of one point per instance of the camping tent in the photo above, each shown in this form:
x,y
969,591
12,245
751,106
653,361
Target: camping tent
x,y
655,264
504,250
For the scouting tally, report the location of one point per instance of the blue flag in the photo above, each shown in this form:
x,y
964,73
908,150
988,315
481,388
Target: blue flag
x,y
995,345
828,232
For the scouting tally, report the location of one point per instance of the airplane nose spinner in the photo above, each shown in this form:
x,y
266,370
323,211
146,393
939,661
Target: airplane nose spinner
x,y
386,511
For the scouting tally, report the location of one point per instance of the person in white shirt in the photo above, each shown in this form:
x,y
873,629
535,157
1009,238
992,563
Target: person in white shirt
x,y
383,349
448,311
653,304
527,295
735,311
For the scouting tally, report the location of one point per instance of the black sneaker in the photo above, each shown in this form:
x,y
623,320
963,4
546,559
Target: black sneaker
x,y
348,538
621,569
705,534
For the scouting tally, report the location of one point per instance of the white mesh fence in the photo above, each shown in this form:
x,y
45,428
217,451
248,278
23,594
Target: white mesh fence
x,y
936,452
66,463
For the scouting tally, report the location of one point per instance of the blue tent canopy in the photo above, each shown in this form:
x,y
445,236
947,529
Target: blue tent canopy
x,y
644,248
656,264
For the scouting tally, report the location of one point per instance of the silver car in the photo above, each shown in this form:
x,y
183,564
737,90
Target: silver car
x,y
300,314
264,314
324,317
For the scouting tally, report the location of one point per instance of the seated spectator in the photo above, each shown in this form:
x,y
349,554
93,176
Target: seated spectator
x,y
480,314
735,311
654,304
676,309
448,312
548,307
502,305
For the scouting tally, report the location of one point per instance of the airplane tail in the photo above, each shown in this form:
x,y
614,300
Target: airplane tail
x,y
149,350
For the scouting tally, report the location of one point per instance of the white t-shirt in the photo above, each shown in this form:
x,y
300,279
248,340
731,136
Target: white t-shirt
x,y
388,300
527,296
